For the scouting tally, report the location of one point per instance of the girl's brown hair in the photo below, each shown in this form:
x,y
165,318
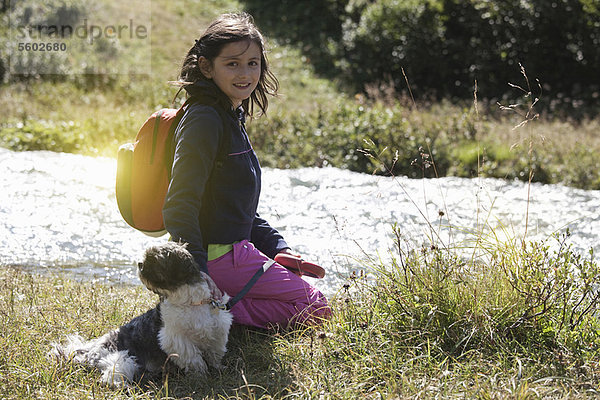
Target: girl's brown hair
x,y
226,29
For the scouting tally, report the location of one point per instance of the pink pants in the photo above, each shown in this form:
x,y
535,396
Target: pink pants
x,y
278,298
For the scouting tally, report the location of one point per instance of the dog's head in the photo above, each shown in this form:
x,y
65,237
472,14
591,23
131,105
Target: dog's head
x,y
167,267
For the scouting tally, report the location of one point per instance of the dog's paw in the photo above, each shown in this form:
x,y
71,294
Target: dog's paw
x,y
219,367
197,365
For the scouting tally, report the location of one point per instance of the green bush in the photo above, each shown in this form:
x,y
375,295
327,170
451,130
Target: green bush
x,y
43,135
578,167
342,137
441,140
441,47
391,36
313,26
88,136
364,138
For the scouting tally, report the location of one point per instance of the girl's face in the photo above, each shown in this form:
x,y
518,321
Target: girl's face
x,y
236,70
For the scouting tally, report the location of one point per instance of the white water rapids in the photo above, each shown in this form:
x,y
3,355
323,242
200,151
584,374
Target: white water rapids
x,y
58,211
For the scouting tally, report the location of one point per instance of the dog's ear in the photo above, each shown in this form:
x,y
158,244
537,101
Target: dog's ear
x,y
167,267
152,271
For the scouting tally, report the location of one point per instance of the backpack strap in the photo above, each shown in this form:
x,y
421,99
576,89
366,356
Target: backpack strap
x,y
224,144
170,150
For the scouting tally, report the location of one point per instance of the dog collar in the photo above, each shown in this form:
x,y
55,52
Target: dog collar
x,y
212,302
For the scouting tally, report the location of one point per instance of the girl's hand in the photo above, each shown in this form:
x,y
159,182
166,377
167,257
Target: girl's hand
x,y
215,292
290,252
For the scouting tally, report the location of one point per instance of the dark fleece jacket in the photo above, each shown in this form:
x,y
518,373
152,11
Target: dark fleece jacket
x,y
216,179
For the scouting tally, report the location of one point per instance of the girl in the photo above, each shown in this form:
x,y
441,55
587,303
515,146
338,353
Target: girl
x,y
216,178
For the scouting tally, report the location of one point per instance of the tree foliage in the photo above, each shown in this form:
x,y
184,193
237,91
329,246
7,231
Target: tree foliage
x,y
440,47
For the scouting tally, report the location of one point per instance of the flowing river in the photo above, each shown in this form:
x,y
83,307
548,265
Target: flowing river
x,y
58,212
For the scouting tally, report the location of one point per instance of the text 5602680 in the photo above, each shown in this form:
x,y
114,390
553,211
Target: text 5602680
x,y
42,46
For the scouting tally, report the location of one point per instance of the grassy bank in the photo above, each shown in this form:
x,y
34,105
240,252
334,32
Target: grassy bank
x,y
459,140
313,123
514,321
346,134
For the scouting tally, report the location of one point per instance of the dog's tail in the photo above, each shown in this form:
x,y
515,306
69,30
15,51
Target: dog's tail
x,y
74,349
117,367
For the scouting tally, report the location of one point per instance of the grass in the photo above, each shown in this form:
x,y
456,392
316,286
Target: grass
x,y
312,123
517,321
36,310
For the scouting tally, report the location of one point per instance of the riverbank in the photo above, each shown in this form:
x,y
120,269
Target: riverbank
x,y
387,139
427,325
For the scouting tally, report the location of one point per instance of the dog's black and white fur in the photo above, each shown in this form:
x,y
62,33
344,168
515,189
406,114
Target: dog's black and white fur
x,y
188,328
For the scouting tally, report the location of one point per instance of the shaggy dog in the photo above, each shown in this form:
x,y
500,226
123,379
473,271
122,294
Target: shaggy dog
x,y
188,328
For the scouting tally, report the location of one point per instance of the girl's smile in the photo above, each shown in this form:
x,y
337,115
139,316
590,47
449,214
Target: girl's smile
x,y
236,70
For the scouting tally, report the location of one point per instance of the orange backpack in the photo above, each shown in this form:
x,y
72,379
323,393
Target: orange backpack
x,y
144,172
